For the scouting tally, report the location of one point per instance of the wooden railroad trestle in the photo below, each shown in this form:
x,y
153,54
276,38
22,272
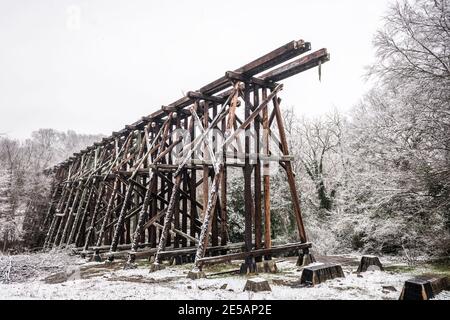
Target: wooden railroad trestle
x,y
154,185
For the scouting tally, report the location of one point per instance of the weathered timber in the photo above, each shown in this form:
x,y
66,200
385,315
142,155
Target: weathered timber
x,y
305,63
254,253
141,185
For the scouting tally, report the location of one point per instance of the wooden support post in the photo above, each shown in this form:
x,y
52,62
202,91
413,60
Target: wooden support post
x,y
176,212
203,240
108,212
153,208
56,218
193,207
94,216
120,221
216,212
152,192
64,215
52,202
223,195
79,212
249,265
168,219
70,215
266,174
290,172
205,158
141,216
184,210
81,229
257,177
50,232
149,194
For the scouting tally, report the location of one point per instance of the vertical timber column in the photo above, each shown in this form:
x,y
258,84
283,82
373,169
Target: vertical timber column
x,y
59,206
249,265
141,218
86,190
193,193
81,190
109,209
153,184
170,185
94,216
128,188
216,212
204,234
121,219
205,159
266,173
289,171
81,229
149,198
64,214
54,192
176,211
223,195
173,197
258,210
184,219
173,200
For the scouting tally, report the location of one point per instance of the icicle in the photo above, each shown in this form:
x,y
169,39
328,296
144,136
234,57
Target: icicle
x,y
320,70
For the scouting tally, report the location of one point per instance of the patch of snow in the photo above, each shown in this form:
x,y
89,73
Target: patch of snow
x,y
444,295
351,287
95,281
24,267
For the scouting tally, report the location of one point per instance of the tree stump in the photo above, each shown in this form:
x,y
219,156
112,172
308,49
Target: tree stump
x,y
369,263
319,273
424,287
257,285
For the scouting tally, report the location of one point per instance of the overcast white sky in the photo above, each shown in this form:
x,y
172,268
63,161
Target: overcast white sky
x,y
124,59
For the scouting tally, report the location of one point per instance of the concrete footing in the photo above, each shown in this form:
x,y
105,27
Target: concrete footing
x,y
268,266
424,287
305,259
156,267
196,274
319,273
257,285
130,265
96,258
370,263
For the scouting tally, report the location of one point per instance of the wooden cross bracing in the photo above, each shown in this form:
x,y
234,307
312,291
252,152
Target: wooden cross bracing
x,y
161,183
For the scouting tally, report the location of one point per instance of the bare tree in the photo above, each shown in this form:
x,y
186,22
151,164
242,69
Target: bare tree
x,y
414,43
318,146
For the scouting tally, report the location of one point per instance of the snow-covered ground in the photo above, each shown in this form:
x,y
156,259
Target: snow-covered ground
x,y
80,280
